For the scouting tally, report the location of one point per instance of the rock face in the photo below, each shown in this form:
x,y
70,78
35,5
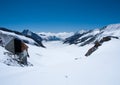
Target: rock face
x,y
34,36
98,43
83,38
50,38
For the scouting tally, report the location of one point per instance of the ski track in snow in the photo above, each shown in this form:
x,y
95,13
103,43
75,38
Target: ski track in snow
x,y
63,64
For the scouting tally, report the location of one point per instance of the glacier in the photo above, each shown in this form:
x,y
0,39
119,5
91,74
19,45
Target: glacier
x,y
64,64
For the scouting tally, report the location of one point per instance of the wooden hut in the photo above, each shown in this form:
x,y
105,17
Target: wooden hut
x,y
19,48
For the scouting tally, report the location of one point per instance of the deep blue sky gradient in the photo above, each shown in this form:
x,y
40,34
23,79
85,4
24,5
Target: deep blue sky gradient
x,y
58,15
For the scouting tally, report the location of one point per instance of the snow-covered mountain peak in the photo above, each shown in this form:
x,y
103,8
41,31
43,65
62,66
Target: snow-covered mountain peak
x,y
111,30
113,27
27,32
91,36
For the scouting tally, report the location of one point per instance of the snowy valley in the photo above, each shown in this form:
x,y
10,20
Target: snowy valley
x,y
59,59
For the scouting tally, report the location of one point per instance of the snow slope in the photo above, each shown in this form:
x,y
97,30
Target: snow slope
x,y
63,64
91,36
6,36
113,30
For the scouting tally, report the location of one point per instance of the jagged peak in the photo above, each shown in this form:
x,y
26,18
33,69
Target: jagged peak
x,y
27,32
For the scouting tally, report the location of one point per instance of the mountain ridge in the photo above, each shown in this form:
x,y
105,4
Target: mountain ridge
x,y
90,36
80,38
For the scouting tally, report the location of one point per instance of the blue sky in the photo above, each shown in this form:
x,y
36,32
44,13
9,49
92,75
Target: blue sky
x,y
58,15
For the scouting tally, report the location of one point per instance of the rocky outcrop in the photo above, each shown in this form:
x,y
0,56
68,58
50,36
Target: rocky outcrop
x,y
99,43
34,36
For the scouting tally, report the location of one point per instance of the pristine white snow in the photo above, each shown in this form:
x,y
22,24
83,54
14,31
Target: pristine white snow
x,y
62,64
112,30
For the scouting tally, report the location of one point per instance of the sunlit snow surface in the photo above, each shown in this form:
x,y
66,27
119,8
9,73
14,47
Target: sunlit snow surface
x,y
62,64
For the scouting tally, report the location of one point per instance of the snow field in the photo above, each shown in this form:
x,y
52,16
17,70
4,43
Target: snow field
x,y
62,64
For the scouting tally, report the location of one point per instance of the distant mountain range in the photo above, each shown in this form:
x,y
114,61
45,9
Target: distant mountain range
x,y
91,38
33,38
55,36
80,38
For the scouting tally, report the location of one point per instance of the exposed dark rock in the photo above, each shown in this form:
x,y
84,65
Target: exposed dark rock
x,y
91,50
75,38
72,39
88,41
34,36
104,39
99,43
52,38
